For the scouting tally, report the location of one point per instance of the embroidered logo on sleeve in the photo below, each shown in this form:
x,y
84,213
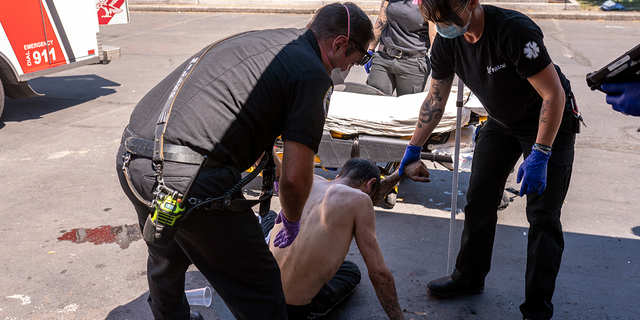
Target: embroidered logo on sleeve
x,y
327,100
531,50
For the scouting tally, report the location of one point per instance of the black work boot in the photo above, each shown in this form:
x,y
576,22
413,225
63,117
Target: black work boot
x,y
195,315
446,287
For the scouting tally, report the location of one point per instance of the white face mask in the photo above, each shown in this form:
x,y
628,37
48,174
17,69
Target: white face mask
x,y
338,75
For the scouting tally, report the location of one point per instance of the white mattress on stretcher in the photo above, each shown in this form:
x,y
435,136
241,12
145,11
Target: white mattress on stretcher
x,y
356,113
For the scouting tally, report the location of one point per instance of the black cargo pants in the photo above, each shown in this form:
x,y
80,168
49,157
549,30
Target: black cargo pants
x,y
497,150
227,247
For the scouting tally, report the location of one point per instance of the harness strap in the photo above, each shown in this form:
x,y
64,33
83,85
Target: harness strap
x,y
163,119
127,176
172,152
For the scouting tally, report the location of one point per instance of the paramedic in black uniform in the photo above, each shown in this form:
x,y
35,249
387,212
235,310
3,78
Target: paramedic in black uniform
x,y
243,93
500,55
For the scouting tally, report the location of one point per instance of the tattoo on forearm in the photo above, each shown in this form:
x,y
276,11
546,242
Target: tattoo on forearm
x,y
543,111
389,304
380,24
384,188
429,109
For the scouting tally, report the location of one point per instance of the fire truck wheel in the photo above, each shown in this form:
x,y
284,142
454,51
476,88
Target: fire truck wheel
x,y
1,98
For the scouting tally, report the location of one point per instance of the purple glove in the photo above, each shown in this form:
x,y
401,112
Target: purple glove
x,y
276,186
534,171
411,154
367,66
624,97
288,233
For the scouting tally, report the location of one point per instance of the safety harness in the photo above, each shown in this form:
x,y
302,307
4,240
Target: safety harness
x,y
168,207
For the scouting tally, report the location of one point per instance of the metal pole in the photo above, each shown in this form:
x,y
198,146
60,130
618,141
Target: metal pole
x,y
454,187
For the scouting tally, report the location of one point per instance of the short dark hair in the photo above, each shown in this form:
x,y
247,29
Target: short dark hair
x,y
331,21
359,171
441,11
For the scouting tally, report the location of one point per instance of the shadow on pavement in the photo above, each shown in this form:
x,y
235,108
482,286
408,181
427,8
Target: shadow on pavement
x,y
598,278
68,91
138,309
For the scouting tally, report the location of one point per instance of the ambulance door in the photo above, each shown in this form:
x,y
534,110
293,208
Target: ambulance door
x,y
45,34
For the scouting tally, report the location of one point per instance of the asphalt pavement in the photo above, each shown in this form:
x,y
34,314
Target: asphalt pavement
x,y
69,247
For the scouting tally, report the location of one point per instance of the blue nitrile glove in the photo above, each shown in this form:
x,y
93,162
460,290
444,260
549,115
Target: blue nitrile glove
x,y
367,66
624,97
288,233
534,171
411,154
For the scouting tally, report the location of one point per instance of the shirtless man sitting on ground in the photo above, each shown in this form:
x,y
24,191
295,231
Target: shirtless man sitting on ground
x,y
315,276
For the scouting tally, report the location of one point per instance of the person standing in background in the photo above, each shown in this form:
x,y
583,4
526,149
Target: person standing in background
x,y
401,62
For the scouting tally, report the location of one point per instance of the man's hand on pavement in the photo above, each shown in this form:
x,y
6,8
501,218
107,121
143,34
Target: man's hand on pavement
x,y
288,233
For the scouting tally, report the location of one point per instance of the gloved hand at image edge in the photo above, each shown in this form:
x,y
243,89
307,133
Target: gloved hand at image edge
x,y
624,97
533,172
411,154
288,233
367,66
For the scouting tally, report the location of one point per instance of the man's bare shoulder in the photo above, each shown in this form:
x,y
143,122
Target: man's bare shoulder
x,y
346,197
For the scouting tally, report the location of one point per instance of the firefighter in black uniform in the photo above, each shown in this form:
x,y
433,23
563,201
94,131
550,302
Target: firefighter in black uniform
x,y
500,55
229,102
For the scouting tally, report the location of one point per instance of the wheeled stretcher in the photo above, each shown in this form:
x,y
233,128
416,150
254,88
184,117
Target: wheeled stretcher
x,y
365,124
362,122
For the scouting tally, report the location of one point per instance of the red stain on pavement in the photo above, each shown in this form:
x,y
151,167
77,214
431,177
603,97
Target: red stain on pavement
x,y
122,235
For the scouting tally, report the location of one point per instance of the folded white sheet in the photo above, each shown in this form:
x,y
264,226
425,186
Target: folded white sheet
x,y
354,113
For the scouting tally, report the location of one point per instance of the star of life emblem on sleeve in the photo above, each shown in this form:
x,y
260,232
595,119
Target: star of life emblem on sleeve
x,y
531,50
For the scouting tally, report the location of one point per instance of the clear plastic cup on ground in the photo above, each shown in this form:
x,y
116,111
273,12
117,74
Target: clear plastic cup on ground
x,y
199,297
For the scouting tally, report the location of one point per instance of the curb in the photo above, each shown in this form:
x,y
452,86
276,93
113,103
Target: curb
x,y
234,9
583,15
560,15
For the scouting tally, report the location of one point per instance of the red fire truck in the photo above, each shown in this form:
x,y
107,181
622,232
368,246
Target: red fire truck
x,y
39,37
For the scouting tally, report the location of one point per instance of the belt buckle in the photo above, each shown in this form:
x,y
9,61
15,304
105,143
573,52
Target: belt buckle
x,y
398,55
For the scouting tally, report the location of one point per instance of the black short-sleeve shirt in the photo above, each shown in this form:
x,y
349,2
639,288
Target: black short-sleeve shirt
x,y
243,93
496,67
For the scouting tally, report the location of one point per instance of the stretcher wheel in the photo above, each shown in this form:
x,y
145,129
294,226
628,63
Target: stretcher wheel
x,y
390,200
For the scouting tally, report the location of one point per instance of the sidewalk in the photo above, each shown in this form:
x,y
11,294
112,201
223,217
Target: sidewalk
x,y
303,8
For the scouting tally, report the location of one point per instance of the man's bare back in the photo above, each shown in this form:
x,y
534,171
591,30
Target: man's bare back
x,y
336,212
327,227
